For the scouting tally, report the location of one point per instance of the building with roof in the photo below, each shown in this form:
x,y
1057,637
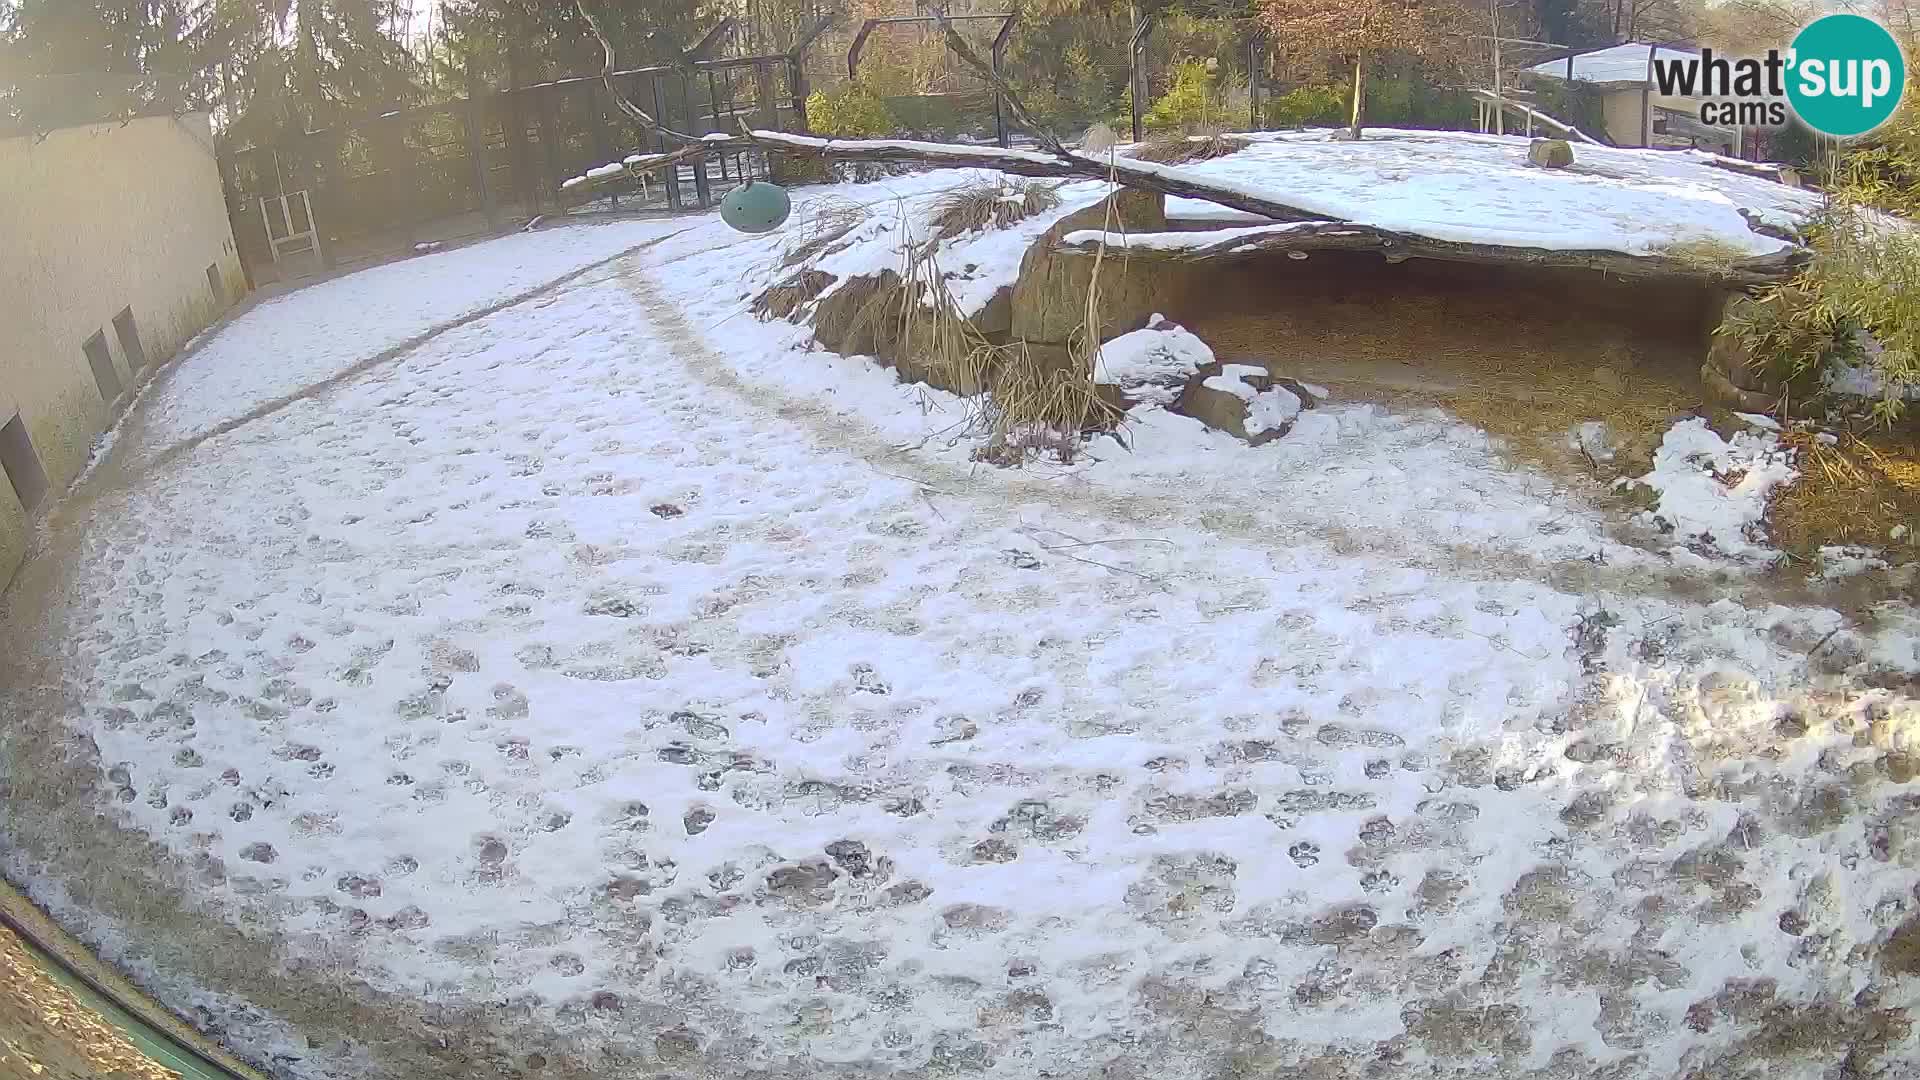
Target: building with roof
x,y
1635,112
115,249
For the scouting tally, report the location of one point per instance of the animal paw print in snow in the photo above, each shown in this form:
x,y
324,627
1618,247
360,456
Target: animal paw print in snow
x,y
868,681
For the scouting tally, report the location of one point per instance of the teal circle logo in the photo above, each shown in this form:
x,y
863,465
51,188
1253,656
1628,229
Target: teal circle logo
x,y
1846,75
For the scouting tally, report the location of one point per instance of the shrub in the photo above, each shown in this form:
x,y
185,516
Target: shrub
x,y
1307,105
1789,331
1190,101
849,111
1858,300
1885,172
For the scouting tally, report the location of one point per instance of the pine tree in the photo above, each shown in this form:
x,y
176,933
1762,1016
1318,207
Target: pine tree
x,y
80,60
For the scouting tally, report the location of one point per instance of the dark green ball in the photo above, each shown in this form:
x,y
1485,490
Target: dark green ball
x,y
756,207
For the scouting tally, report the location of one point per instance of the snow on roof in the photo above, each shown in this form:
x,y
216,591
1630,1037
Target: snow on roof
x,y
1619,64
1473,188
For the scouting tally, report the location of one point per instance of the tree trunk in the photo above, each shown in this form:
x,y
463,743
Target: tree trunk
x,y
1359,90
1309,236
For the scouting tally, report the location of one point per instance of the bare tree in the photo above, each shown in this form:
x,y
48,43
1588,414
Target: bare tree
x,y
1360,31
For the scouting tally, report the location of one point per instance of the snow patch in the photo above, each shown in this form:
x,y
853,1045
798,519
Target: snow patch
x,y
1713,491
1846,560
1150,365
1272,409
1595,439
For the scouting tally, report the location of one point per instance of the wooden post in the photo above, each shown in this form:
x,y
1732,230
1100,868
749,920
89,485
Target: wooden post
x,y
524,188
525,191
1499,93
713,111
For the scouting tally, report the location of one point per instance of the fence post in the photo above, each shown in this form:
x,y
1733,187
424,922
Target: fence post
x,y
671,177
713,109
701,189
769,103
1253,81
551,178
1136,66
599,119
401,186
477,147
797,78
524,189
1001,134
334,146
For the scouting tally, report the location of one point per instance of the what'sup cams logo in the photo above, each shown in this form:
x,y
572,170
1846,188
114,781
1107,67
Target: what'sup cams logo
x,y
1842,76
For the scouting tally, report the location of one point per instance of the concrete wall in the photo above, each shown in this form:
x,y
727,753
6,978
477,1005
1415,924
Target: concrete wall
x,y
94,220
1623,110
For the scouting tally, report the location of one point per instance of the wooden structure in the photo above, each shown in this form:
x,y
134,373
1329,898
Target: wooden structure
x,y
505,153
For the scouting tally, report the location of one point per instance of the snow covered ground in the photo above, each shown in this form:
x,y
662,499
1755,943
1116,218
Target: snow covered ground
x,y
620,683
305,337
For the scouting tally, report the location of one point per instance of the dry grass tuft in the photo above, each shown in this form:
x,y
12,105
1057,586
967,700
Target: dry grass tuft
x,y
781,301
858,317
1019,402
1178,149
1855,491
828,221
1706,254
991,204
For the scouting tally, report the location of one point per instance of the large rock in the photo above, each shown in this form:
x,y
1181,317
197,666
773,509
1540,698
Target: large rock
x,y
1740,366
1550,153
1721,389
1050,298
995,320
1245,401
1736,378
1733,359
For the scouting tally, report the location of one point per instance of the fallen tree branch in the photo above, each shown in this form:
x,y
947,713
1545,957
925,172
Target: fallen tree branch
x,y
1309,236
634,112
1565,130
1763,170
985,70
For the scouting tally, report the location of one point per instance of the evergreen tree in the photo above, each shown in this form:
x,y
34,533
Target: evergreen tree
x,y
77,60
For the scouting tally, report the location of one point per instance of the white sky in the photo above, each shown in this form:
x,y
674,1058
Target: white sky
x,y
424,16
